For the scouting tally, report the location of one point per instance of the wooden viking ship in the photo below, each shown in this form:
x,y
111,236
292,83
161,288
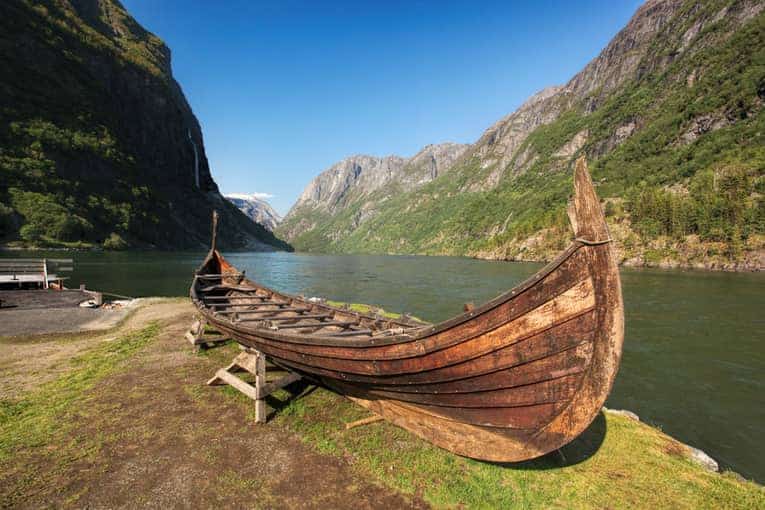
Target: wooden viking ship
x,y
511,380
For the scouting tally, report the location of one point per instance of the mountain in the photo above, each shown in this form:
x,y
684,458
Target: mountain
x,y
670,117
98,145
255,208
351,192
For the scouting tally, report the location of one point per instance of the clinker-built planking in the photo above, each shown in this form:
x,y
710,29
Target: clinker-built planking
x,y
510,380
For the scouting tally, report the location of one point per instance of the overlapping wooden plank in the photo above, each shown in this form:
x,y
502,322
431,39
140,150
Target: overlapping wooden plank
x,y
550,391
574,302
488,443
563,337
318,324
570,361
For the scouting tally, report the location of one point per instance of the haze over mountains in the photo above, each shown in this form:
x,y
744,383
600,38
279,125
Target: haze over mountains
x,y
669,115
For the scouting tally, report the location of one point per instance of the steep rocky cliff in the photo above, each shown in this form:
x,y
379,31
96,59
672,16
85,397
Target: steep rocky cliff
x,y
669,115
348,193
98,145
256,208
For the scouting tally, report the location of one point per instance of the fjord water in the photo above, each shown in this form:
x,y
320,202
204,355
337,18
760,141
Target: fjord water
x,y
694,355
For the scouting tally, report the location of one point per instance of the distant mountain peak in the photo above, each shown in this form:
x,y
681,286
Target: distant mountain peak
x,y
362,174
673,103
255,207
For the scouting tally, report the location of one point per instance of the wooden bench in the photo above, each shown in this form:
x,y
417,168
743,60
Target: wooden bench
x,y
42,273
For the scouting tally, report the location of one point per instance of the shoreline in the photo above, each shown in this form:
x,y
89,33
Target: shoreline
x,y
92,329
712,267
618,461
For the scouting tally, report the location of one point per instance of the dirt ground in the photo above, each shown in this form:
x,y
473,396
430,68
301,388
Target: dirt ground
x,y
30,356
42,312
155,436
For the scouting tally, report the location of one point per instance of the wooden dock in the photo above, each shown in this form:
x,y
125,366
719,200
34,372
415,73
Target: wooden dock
x,y
34,273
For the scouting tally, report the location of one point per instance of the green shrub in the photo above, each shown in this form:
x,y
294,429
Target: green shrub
x,y
44,215
717,208
115,242
6,220
31,232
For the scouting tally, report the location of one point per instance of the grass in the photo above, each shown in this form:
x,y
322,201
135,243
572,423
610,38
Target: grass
x,y
366,309
634,466
33,420
617,463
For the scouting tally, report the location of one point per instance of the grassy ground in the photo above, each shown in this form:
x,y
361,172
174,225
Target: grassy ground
x,y
367,309
43,418
129,421
618,462
635,466
125,420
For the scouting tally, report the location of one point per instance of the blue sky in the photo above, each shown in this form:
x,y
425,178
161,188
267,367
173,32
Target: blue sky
x,y
285,89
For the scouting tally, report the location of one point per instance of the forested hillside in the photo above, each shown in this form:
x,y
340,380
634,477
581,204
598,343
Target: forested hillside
x,y
670,116
98,146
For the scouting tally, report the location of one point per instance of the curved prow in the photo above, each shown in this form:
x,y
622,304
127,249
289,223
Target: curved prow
x,y
213,240
584,210
509,380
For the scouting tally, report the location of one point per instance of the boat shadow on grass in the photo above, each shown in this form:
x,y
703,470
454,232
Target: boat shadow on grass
x,y
580,449
296,390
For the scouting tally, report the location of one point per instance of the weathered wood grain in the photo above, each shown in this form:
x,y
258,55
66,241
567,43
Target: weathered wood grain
x,y
512,379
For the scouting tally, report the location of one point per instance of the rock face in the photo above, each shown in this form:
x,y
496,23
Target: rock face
x,y
94,126
356,175
359,181
673,103
701,458
255,208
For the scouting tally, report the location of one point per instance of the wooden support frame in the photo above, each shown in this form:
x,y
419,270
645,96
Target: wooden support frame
x,y
196,336
253,362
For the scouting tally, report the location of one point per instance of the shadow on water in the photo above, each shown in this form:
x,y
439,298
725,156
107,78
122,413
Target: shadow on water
x,y
580,449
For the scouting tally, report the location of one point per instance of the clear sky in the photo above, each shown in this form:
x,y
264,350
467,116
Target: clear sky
x,y
284,89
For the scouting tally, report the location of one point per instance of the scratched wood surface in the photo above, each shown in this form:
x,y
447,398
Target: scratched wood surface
x,y
509,380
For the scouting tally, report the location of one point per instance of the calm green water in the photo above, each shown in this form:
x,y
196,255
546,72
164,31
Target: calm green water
x,y
694,358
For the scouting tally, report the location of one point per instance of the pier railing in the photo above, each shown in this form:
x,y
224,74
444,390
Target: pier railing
x,y
45,273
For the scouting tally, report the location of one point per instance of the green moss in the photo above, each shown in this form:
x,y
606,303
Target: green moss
x,y
115,242
366,309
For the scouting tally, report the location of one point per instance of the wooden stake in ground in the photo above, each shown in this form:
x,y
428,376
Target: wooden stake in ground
x,y
363,421
253,362
196,336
